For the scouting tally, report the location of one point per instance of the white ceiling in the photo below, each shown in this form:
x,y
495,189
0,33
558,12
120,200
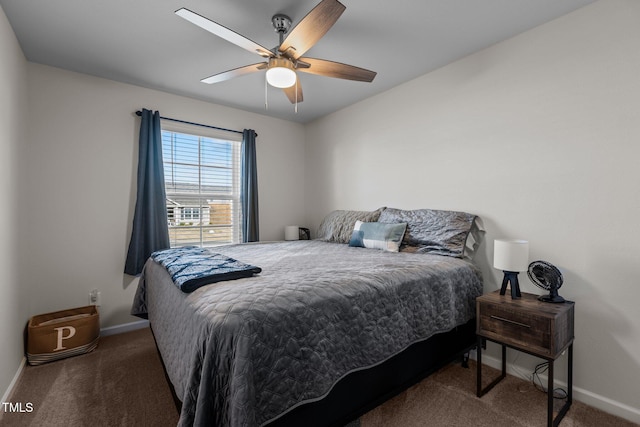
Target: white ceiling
x,y
143,43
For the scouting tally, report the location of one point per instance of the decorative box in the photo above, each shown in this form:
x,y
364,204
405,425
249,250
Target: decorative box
x,y
61,334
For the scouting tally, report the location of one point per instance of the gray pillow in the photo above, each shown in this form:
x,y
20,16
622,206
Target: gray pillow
x,y
433,231
338,225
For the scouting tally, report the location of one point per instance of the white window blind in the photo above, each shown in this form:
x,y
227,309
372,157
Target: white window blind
x,y
202,182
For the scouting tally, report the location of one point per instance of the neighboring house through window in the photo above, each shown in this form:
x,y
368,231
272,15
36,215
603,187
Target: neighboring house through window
x,y
202,182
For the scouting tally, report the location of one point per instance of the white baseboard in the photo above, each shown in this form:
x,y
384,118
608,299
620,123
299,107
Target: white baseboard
x,y
127,327
12,384
585,396
7,393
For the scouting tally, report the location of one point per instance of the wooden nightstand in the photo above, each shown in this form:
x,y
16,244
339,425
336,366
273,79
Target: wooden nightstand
x,y
539,328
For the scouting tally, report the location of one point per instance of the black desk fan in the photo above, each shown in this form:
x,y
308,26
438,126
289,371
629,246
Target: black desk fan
x,y
546,276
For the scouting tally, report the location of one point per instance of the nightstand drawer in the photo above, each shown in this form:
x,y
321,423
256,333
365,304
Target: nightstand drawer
x,y
514,328
540,328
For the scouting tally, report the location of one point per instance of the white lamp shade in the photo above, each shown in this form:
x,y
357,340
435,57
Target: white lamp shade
x,y
281,77
511,255
291,232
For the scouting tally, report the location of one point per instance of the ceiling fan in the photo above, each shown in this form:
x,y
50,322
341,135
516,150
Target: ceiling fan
x,y
283,61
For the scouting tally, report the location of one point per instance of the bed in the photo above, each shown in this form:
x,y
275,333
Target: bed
x,y
325,331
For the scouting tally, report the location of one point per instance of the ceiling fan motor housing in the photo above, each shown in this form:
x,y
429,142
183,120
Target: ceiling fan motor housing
x,y
281,23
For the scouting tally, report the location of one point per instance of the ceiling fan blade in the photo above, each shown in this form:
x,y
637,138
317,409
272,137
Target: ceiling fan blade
x,y
291,93
338,70
223,32
311,28
236,72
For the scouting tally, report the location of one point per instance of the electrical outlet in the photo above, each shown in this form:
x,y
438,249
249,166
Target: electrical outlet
x,y
95,298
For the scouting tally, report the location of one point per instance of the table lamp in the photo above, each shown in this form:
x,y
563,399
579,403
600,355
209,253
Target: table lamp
x,y
291,232
511,256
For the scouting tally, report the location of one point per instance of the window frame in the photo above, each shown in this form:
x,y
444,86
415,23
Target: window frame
x,y
176,217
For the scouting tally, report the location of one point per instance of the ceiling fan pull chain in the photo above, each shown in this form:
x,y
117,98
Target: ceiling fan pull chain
x,y
296,107
266,101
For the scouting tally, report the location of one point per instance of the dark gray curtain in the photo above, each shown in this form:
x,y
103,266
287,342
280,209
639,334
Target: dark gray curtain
x,y
150,230
249,188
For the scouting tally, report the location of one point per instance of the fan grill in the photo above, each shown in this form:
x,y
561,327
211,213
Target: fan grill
x,y
546,276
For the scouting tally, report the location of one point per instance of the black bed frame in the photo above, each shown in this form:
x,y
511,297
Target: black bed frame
x,y
361,391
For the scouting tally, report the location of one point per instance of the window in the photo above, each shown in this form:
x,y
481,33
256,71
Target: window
x,y
190,213
202,182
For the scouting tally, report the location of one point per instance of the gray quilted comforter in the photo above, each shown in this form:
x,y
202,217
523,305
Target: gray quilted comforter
x,y
246,351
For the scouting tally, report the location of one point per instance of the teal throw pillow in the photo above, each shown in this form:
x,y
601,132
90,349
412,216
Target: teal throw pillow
x,y
376,235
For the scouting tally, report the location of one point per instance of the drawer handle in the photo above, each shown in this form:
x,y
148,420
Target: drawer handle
x,y
502,319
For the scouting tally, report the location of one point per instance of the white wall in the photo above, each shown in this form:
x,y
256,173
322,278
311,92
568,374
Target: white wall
x,y
79,178
13,92
540,136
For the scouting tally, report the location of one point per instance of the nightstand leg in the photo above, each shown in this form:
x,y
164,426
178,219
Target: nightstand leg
x,y
570,376
550,395
479,391
553,422
479,368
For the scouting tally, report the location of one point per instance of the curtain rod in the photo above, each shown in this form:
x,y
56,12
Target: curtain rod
x,y
139,113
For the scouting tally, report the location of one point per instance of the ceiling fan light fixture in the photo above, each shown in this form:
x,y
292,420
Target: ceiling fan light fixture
x,y
280,73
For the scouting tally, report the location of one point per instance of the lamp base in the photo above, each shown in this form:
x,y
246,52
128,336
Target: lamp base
x,y
511,277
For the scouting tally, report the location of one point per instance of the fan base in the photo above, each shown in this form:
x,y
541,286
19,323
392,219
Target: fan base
x,y
556,299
